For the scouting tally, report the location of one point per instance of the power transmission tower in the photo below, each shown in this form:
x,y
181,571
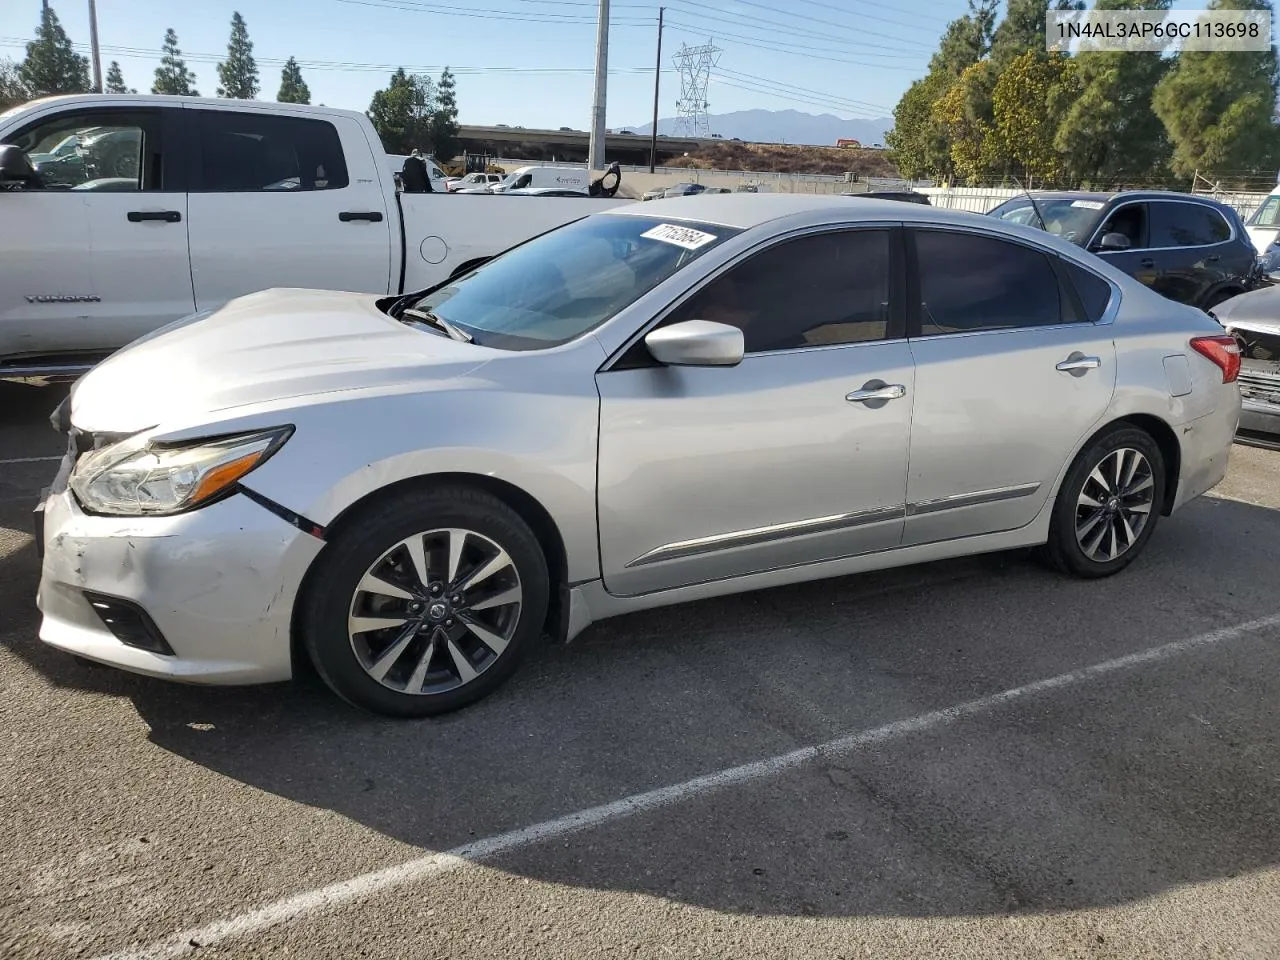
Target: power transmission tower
x,y
694,66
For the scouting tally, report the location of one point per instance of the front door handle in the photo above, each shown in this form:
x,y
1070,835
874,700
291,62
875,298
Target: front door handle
x,y
166,216
1147,263
1077,364
373,216
877,393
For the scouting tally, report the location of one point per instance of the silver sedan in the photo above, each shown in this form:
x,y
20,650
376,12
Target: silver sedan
x,y
663,402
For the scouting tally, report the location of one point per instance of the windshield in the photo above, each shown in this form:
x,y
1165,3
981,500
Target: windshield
x,y
560,285
1070,219
1267,214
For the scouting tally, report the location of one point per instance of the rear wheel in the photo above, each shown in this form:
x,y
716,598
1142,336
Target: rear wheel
x,y
426,603
1108,506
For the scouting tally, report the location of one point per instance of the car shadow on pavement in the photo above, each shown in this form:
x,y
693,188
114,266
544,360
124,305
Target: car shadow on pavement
x,y
1107,792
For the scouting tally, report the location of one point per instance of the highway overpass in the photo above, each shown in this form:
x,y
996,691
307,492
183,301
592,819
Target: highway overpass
x,y
570,145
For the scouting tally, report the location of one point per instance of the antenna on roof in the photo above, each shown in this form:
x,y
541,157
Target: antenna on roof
x,y
1034,206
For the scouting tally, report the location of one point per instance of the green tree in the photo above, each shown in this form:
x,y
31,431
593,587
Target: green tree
x,y
1022,29
1110,136
115,80
1032,95
52,66
444,119
1218,109
402,113
918,142
963,114
238,74
172,76
293,89
12,90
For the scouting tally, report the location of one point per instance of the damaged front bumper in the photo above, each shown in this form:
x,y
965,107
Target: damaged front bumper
x,y
1259,380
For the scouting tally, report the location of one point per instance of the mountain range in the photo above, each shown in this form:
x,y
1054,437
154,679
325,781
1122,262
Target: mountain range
x,y
784,126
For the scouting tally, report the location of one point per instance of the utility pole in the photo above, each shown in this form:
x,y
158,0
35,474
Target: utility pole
x,y
595,151
93,46
657,76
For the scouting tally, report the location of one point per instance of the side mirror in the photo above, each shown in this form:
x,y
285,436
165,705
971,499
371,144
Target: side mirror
x,y
15,167
1113,242
697,343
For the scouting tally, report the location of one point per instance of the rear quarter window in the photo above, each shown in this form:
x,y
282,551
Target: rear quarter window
x,y
1093,291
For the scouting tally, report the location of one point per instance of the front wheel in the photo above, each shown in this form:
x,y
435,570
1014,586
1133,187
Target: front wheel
x,y
1108,506
426,603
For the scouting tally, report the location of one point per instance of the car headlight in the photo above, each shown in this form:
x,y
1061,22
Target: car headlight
x,y
132,478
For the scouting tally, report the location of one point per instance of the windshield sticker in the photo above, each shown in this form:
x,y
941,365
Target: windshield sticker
x,y
1088,204
685,237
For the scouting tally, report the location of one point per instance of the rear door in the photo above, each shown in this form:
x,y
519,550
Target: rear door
x,y
284,200
1193,244
1011,374
98,256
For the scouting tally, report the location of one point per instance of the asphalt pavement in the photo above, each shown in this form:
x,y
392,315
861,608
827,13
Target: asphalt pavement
x,y
972,759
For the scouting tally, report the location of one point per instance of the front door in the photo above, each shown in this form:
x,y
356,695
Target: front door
x,y
285,201
98,254
1011,374
1138,261
707,473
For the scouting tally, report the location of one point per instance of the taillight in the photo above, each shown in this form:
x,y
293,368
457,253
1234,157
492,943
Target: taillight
x,y
1222,350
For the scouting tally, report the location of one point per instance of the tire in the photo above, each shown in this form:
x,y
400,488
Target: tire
x,y
388,643
1137,512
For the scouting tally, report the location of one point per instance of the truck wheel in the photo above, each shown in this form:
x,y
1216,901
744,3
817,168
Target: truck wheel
x,y
1108,506
427,603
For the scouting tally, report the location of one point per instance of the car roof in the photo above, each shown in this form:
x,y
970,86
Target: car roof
x,y
1115,196
746,210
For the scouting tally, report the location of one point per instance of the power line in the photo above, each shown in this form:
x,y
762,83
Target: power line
x,y
796,98
142,53
824,22
772,27
473,13
800,52
803,46
804,90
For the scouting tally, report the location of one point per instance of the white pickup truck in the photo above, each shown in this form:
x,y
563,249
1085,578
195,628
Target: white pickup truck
x,y
167,206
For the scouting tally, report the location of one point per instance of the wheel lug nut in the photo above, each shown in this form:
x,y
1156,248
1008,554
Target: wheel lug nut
x,y
457,599
448,623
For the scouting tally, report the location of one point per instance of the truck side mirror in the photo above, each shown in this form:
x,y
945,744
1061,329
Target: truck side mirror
x,y
15,166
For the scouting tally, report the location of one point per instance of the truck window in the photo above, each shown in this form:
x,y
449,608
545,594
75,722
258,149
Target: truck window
x,y
252,152
96,150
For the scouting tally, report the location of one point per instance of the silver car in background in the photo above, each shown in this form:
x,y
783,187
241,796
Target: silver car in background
x,y
663,402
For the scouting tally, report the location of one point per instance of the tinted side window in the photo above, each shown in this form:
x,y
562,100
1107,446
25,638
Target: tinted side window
x,y
96,150
1186,225
248,152
819,290
969,282
1093,291
1130,220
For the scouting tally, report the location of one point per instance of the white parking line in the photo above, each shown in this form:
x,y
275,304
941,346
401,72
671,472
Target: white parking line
x,y
29,460
433,865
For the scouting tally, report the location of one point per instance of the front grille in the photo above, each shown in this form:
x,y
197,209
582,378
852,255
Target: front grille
x,y
1261,387
1255,345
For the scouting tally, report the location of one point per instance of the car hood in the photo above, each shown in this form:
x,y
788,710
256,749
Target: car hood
x,y
1257,309
267,346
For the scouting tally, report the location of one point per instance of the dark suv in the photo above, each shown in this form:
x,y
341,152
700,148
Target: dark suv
x,y
1191,249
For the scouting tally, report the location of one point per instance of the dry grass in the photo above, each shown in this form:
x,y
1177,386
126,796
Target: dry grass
x,y
763,157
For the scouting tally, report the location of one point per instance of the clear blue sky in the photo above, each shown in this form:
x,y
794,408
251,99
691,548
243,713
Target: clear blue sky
x,y
530,62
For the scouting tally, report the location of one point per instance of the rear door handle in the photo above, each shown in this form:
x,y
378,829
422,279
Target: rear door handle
x,y
373,216
1146,263
877,390
1078,363
167,216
